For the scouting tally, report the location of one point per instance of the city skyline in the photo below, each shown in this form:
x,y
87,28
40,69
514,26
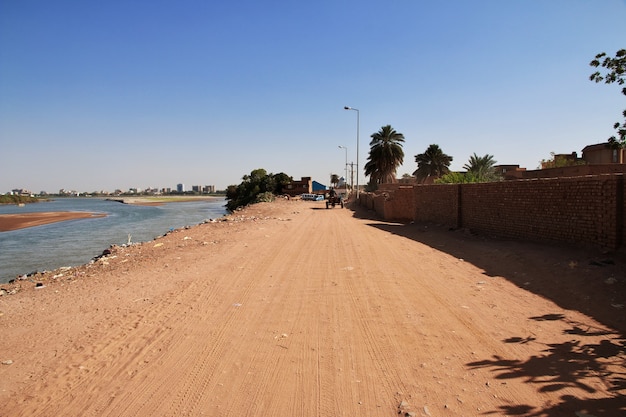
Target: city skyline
x,y
205,189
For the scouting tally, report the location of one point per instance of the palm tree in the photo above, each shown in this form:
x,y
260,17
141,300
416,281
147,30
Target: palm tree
x,y
386,155
481,167
334,180
432,163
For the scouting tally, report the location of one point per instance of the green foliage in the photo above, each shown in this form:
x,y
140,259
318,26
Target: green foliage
x,y
266,197
257,187
17,199
560,161
432,163
385,155
616,73
458,178
407,178
481,168
281,179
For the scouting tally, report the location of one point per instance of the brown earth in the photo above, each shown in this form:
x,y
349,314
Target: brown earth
x,y
289,309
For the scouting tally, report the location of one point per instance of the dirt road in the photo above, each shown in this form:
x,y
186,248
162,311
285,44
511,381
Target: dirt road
x,y
289,309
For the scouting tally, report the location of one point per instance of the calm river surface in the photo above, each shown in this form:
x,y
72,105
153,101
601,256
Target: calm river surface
x,y
76,242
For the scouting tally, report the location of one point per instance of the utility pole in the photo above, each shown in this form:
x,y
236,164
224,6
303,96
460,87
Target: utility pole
x,y
351,165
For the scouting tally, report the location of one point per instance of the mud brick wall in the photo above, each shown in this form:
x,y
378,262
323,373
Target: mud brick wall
x,y
380,203
577,210
576,171
367,200
395,203
438,203
587,209
623,216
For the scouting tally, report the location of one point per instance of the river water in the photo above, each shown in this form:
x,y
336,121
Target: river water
x,y
76,242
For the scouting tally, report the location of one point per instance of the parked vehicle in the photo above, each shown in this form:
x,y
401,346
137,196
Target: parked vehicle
x,y
312,197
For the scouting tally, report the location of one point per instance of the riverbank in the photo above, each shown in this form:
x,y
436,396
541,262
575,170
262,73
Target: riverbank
x,y
10,222
19,199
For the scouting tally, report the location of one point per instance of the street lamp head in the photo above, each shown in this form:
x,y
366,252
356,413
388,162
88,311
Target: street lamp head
x,y
346,108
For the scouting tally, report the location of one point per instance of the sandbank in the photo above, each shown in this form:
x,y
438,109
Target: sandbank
x,y
22,220
160,200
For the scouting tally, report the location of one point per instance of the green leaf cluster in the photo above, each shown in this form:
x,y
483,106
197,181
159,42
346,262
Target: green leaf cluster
x,y
616,73
457,178
17,199
257,187
432,163
385,156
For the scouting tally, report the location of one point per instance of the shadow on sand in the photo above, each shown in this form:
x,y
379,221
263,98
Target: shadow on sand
x,y
575,278
567,365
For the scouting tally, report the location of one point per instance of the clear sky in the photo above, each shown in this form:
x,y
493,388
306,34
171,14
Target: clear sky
x,y
99,95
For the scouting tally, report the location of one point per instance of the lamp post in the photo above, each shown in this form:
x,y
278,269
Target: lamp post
x,y
357,147
346,167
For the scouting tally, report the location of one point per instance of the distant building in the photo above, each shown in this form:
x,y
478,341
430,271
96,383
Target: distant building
x,y
21,191
294,188
509,172
562,160
318,188
180,188
203,189
603,153
596,159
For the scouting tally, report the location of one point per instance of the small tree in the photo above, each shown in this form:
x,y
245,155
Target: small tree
x,y
385,155
407,178
432,163
281,180
616,73
458,178
256,187
481,167
334,180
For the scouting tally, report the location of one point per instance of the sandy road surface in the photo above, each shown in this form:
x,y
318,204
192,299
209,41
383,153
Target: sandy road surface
x,y
290,309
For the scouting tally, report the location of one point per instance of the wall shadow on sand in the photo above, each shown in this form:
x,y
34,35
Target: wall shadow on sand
x,y
585,279
575,278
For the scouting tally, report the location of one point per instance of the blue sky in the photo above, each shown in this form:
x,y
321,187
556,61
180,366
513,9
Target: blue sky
x,y
117,94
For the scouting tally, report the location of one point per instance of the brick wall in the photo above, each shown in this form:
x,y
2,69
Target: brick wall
x,y
575,171
438,203
589,209
577,209
397,203
623,216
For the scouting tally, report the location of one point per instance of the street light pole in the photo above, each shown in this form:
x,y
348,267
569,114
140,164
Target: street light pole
x,y
346,167
357,147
